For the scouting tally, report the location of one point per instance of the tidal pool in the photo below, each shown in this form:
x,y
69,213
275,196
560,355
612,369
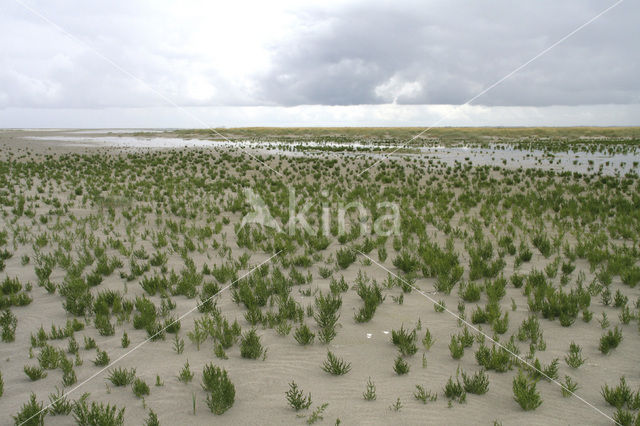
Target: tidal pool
x,y
503,155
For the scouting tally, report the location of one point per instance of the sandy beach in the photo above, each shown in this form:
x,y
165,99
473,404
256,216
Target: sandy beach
x,y
195,211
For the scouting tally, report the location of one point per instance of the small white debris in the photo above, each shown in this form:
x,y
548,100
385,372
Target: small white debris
x,y
368,335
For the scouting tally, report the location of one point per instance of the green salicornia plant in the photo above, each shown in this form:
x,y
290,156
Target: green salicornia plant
x,y
454,391
89,343
370,392
303,335
140,387
574,359
621,396
345,257
198,335
72,346
625,418
396,406
466,338
152,420
220,390
283,328
496,358
405,341
336,366
316,415
250,346
186,375
372,298
34,372
400,366
551,370
49,357
569,387
456,348
31,413
428,340
604,321
59,404
477,384
326,315
102,358
97,414
218,351
8,323
525,392
178,344
423,395
68,374
296,398
610,340
121,376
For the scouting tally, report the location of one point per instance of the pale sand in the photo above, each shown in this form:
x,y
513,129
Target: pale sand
x,y
260,385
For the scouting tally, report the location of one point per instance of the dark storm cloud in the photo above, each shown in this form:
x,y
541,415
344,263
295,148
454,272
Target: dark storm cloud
x,y
447,52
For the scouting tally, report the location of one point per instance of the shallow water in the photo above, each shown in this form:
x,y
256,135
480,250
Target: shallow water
x,y
116,131
164,142
503,155
129,141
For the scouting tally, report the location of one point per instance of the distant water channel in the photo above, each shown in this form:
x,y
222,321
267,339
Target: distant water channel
x,y
503,155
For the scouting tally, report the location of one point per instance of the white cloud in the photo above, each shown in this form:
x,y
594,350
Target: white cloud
x,y
289,53
396,87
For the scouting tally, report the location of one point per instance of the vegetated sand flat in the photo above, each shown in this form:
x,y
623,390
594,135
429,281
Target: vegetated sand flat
x,y
615,154
74,206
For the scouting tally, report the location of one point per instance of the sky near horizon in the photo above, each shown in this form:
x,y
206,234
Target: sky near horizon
x,y
70,63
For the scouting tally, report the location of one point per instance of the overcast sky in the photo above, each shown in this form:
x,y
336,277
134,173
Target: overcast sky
x,y
128,63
